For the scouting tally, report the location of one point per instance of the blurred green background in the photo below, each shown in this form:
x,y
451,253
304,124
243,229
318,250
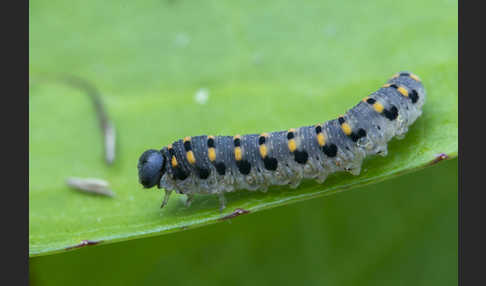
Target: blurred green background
x,y
268,65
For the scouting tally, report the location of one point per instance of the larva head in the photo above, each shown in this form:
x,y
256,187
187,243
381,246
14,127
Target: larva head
x,y
151,167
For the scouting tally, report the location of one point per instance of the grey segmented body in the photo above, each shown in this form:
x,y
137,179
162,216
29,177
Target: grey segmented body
x,y
219,164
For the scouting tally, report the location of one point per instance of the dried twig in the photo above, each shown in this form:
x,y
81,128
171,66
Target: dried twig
x,y
106,125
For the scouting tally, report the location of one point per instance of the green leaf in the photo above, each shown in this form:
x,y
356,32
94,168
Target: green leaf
x,y
376,235
267,66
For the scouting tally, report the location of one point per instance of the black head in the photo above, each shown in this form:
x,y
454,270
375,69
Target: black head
x,y
151,167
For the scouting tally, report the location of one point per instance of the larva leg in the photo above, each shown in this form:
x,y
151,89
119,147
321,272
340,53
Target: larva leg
x,y
295,179
264,188
321,177
166,198
222,202
189,199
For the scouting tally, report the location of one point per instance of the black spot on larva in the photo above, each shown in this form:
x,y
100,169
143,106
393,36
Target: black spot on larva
x,y
243,166
318,129
237,142
394,86
371,100
210,143
414,96
330,150
171,152
356,135
203,173
361,132
290,135
270,163
392,113
220,168
301,156
378,127
180,174
261,140
404,74
187,146
341,120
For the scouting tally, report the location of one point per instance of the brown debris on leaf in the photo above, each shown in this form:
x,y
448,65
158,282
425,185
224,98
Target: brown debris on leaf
x,y
83,243
235,213
438,158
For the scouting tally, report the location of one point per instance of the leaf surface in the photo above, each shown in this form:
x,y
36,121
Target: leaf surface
x,y
266,66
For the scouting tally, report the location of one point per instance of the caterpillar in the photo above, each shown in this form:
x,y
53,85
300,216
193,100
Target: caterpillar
x,y
218,164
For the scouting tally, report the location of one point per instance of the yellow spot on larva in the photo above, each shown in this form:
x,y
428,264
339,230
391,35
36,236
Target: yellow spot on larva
x,y
395,75
378,107
365,99
188,138
346,128
212,154
263,150
414,77
386,85
170,146
174,161
264,135
190,157
292,145
238,154
238,136
211,137
321,139
403,91
291,130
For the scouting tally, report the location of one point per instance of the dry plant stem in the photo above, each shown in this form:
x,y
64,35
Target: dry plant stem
x,y
106,125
